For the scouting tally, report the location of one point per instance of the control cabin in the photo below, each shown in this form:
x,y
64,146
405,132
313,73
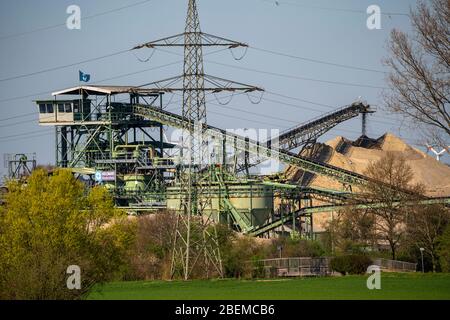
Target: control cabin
x,y
90,104
63,111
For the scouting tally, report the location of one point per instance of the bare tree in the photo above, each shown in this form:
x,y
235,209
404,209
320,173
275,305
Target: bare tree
x,y
395,192
420,71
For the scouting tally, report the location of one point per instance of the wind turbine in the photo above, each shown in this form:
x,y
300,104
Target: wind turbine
x,y
438,154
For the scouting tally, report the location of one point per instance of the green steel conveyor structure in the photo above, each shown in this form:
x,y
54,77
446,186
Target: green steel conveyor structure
x,y
99,134
307,133
240,143
327,208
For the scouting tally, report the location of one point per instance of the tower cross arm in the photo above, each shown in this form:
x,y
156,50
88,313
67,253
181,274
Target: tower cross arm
x,y
207,40
212,84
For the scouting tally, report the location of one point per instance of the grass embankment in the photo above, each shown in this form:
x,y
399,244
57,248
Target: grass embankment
x,y
393,286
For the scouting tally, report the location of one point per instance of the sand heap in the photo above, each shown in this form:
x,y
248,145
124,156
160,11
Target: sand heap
x,y
357,155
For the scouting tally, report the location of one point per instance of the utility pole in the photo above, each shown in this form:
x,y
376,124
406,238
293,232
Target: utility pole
x,y
196,198
194,220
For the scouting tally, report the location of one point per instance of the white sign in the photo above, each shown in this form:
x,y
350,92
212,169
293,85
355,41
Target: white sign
x,y
101,176
109,176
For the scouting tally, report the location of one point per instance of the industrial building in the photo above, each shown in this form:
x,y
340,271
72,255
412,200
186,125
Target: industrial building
x,y
114,136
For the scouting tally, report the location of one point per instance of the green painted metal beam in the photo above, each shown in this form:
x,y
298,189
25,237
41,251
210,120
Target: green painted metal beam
x,y
253,147
275,224
242,221
312,129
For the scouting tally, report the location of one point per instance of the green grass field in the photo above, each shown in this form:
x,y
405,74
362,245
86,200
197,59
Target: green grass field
x,y
393,286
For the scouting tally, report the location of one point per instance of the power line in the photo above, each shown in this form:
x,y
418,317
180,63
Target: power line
x,y
16,123
96,82
270,100
249,112
63,24
30,137
20,134
27,134
64,66
27,96
239,118
79,62
318,61
285,120
284,75
228,106
253,113
315,103
236,108
315,110
18,116
266,99
412,142
333,9
298,99
112,78
27,121
298,77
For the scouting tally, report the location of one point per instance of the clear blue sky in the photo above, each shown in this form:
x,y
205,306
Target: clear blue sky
x,y
328,30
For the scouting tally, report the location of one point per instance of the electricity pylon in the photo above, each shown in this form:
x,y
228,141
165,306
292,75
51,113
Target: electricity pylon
x,y
196,198
195,238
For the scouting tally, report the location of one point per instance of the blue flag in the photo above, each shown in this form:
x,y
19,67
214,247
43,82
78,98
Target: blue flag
x,y
84,76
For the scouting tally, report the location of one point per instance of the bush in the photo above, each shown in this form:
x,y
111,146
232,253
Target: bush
x,y
150,256
350,264
241,256
51,223
295,248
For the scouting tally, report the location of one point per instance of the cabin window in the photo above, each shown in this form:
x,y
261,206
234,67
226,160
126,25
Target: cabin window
x,y
68,108
42,108
49,108
60,108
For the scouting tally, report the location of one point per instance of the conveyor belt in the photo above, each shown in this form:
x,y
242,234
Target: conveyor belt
x,y
253,147
311,130
298,135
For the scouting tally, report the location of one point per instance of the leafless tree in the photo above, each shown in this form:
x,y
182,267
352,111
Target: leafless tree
x,y
395,192
420,71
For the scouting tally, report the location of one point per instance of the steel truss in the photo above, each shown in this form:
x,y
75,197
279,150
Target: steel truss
x,y
306,134
194,184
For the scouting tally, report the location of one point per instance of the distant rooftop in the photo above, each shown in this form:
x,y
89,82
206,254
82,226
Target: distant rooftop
x,y
105,90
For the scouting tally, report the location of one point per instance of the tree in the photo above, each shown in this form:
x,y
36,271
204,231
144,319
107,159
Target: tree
x,y
392,187
240,255
444,250
420,70
294,247
352,231
425,225
151,254
50,223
